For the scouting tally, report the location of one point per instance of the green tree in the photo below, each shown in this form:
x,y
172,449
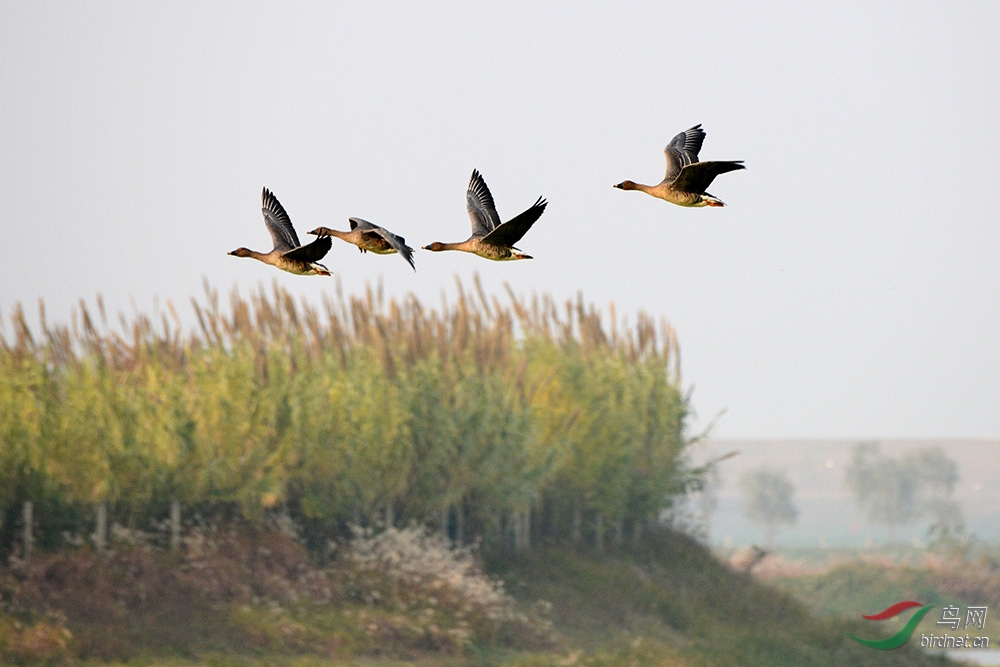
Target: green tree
x,y
501,420
897,490
769,500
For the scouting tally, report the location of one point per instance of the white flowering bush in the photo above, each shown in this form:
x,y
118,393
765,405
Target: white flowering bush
x,y
450,601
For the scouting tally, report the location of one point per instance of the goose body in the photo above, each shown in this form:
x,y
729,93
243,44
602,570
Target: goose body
x,y
490,238
686,178
369,237
288,254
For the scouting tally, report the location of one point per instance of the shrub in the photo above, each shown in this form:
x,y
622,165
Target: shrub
x,y
414,570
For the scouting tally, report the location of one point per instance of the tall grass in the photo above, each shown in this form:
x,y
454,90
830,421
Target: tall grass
x,y
486,417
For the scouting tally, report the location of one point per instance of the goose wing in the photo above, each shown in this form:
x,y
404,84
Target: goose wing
x,y
683,150
311,252
511,231
279,225
479,203
698,176
395,240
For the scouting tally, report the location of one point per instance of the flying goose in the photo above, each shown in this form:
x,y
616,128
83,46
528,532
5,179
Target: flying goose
x,y
491,239
369,236
288,254
686,178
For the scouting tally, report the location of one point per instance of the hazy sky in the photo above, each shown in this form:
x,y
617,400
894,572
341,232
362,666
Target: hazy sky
x,y
850,289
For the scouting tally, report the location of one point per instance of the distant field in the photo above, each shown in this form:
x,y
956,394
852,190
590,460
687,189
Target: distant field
x,y
827,513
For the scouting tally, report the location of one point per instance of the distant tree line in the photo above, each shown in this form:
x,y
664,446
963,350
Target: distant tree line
x,y
894,491
508,421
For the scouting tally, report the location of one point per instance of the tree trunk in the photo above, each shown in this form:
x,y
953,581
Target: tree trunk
x,y
636,534
498,536
526,529
619,533
29,538
577,523
522,532
175,526
599,532
101,529
459,524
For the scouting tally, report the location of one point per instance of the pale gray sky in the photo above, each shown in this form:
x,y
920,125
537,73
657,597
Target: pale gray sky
x,y
850,288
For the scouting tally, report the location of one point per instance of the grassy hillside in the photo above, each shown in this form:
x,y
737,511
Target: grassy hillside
x,y
865,586
671,603
259,602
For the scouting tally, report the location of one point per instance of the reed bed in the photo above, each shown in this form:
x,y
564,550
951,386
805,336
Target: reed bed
x,y
503,419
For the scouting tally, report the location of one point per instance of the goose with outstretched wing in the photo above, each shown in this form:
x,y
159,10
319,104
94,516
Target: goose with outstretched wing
x,y
490,238
686,178
370,237
288,254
